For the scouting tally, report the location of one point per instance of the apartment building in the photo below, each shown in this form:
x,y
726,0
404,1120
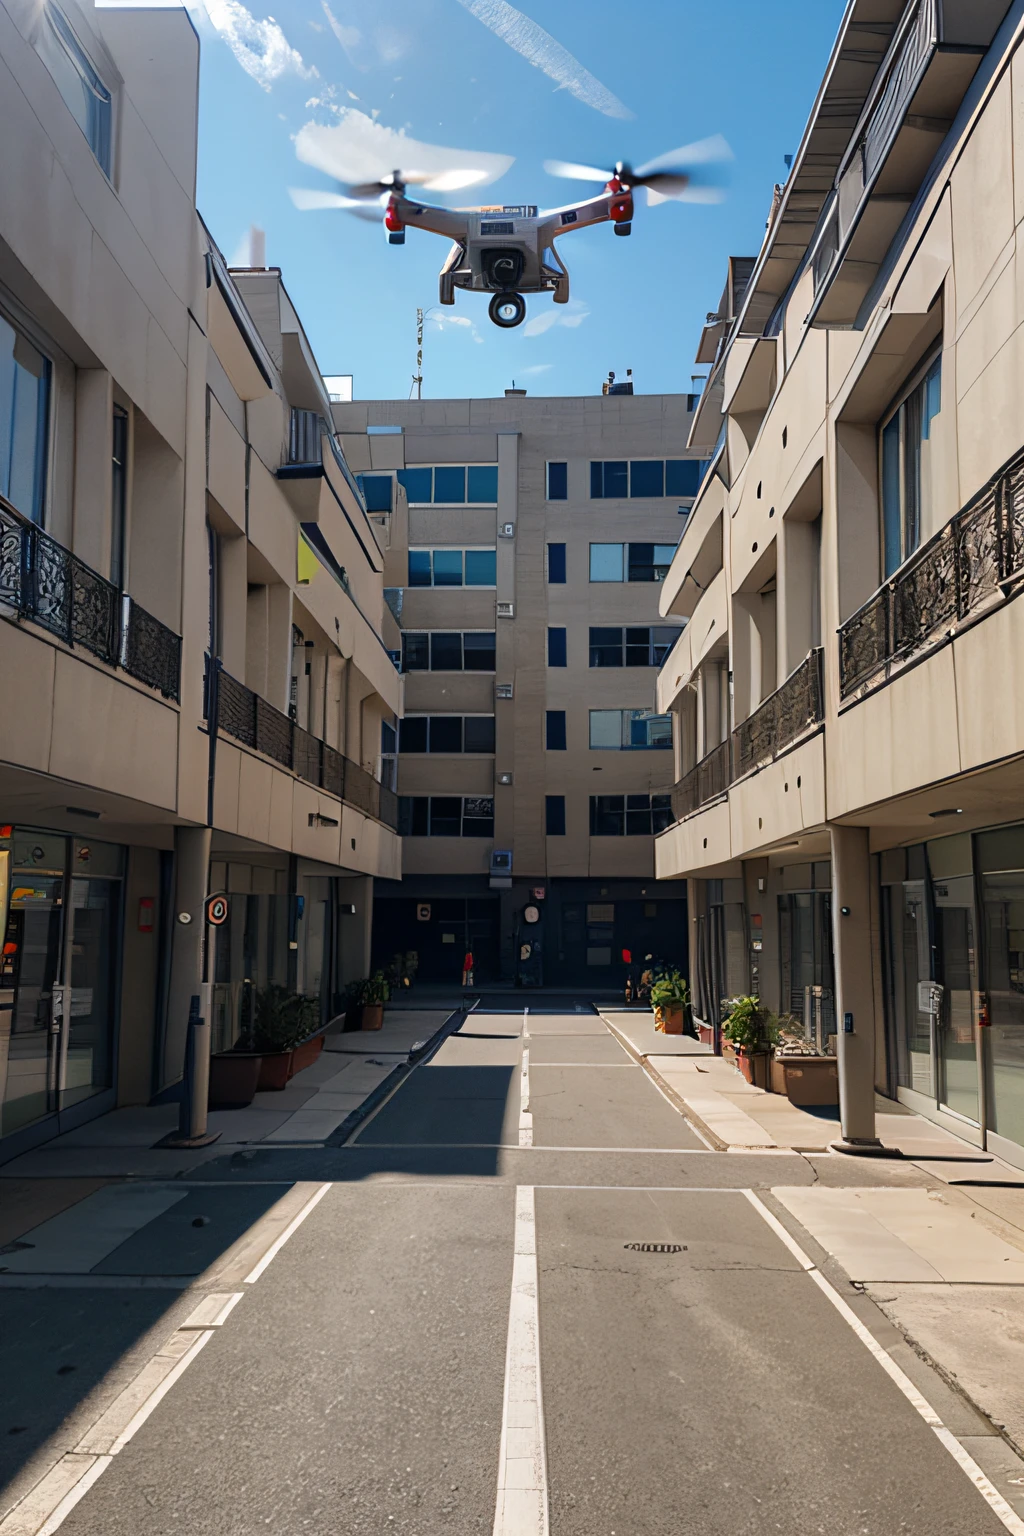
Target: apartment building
x,y
847,813
528,541
193,679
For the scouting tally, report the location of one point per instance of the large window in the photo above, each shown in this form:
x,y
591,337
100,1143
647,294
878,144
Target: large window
x,y
558,482
451,484
630,562
448,651
447,733
625,730
637,478
446,816
907,466
84,93
24,415
629,815
452,567
377,491
646,646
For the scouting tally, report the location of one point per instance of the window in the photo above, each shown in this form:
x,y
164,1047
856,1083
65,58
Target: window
x,y
554,730
556,648
440,651
118,495
558,482
629,815
623,730
24,412
452,567
388,754
451,484
554,815
906,466
556,564
644,478
376,491
85,95
446,816
447,733
646,646
630,562
606,562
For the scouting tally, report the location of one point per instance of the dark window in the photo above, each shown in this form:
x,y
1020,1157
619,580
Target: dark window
x,y
647,477
605,647
413,816
558,482
556,648
413,734
649,562
447,567
376,491
554,738
478,651
481,568
478,816
554,815
449,483
445,653
638,647
661,812
638,815
683,477
556,563
388,738
663,638
24,408
418,483
606,815
479,732
419,568
445,733
445,816
483,482
609,477
415,653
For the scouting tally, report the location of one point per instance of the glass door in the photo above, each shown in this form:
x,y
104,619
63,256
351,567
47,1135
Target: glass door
x,y
32,979
1002,905
87,1065
956,1050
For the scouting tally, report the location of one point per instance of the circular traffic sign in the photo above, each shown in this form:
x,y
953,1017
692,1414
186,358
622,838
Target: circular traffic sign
x,y
216,910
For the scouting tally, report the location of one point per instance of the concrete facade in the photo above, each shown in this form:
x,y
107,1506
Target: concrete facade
x,y
850,573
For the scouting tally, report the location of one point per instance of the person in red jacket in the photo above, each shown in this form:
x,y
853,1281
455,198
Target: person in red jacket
x,y
467,968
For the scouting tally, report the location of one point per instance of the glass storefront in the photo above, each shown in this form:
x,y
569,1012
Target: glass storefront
x,y
1000,861
806,967
61,902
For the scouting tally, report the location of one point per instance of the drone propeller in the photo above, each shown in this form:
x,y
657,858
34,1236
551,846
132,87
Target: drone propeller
x,y
684,174
451,180
306,200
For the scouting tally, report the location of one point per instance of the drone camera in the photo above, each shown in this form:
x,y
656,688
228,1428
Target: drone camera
x,y
503,267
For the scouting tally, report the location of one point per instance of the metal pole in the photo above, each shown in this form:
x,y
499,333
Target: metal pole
x,y
195,1086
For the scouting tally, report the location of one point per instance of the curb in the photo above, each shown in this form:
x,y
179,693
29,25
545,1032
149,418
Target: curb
x,y
670,1093
387,1085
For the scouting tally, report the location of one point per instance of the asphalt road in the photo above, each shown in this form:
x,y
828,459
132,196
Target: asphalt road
x,y
692,1378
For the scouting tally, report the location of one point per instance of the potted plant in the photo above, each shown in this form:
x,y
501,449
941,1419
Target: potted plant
x,y
234,1073
373,993
750,1029
670,997
288,1031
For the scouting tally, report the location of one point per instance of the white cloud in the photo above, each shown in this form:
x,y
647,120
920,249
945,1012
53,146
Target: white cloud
x,y
358,149
571,316
259,46
541,50
462,322
348,37
536,368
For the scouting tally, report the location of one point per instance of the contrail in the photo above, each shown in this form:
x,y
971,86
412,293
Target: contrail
x,y
541,50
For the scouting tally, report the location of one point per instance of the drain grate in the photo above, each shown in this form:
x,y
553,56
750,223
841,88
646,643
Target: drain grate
x,y
656,1247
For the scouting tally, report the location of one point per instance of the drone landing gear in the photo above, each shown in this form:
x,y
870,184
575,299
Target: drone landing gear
x,y
507,310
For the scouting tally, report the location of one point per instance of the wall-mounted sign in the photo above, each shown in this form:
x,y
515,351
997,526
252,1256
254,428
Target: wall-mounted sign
x,y
531,915
423,912
217,909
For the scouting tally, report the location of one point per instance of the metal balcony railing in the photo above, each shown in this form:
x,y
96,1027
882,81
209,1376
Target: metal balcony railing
x,y
707,781
47,584
971,564
248,718
783,717
305,430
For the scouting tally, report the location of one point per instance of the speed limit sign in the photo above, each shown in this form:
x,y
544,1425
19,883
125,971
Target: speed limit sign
x,y
217,910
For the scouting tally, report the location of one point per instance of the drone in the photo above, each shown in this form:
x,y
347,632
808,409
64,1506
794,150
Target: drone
x,y
509,250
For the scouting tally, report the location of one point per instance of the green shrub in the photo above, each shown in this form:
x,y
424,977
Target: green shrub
x,y
374,990
670,991
283,1019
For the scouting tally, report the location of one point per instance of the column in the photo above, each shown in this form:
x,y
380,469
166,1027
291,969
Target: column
x,y
855,1002
191,866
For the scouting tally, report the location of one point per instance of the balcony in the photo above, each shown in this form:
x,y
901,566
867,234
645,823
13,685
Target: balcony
x,y
972,565
248,718
785,718
933,57
48,585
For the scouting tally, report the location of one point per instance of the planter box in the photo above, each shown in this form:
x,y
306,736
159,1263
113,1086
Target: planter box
x,y
280,1066
705,1033
305,1054
669,1021
806,1079
233,1079
372,1016
754,1066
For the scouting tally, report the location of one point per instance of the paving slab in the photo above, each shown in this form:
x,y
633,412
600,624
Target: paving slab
x,y
402,1029
27,1203
638,1028
79,1238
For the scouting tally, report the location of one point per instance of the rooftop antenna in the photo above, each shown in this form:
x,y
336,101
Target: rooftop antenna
x,y
417,378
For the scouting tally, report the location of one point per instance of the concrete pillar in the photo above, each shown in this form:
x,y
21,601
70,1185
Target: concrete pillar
x,y
191,867
855,1000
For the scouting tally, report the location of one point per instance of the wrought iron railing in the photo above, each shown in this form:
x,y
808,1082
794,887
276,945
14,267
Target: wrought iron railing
x,y
305,430
248,718
973,563
707,781
47,584
782,718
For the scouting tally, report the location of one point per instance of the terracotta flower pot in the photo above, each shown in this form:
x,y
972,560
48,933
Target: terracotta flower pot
x,y
275,1071
754,1065
305,1054
233,1079
669,1020
372,1016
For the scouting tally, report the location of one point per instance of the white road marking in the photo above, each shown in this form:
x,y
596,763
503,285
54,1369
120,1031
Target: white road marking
x,y
522,1502
290,1229
78,1492
1010,1519
525,1113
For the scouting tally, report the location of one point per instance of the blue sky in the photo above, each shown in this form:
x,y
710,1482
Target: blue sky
x,y
623,82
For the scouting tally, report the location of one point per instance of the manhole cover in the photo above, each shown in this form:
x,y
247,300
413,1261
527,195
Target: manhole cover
x,y
656,1247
